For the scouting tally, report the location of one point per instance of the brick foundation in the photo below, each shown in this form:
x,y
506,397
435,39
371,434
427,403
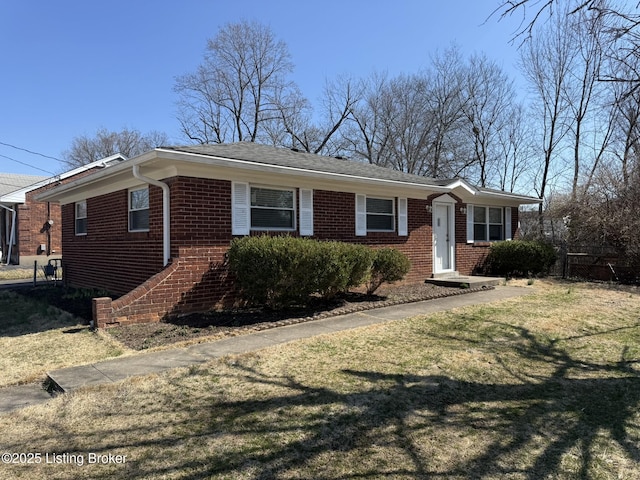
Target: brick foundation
x,y
194,282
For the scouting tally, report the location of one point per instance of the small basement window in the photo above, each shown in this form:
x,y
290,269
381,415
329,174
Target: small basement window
x,y
272,209
380,215
81,217
139,210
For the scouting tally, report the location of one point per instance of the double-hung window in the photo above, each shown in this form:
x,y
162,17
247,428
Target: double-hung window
x,y
380,215
272,209
377,214
81,217
488,224
139,210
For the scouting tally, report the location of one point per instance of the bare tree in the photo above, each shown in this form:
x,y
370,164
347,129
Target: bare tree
x,y
322,135
393,123
488,95
547,62
582,89
446,79
514,149
626,124
366,135
237,88
621,23
129,142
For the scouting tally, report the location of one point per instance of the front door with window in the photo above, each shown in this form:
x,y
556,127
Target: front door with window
x,y
443,237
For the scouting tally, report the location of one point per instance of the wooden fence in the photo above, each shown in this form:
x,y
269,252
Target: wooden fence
x,y
593,262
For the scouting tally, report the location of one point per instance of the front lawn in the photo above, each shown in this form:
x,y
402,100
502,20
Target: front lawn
x,y
542,386
36,337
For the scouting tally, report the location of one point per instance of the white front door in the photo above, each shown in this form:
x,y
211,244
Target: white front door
x,y
443,237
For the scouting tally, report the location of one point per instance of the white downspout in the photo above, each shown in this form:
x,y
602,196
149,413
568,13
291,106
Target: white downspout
x,y
166,234
12,237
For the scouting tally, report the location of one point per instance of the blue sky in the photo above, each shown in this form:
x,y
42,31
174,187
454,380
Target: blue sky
x,y
71,67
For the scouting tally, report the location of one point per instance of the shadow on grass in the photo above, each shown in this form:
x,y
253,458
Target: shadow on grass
x,y
25,314
397,425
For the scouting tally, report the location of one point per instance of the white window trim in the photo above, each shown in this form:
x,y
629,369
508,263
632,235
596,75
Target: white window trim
x,y
76,218
505,223
274,229
129,192
392,214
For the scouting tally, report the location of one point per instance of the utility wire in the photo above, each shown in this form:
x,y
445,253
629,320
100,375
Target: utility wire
x,y
30,151
28,165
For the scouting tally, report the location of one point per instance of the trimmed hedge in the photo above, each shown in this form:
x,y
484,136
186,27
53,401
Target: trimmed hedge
x,y
281,270
389,265
520,258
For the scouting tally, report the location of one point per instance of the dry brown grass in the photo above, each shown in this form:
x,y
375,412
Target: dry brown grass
x,y
16,273
544,386
35,338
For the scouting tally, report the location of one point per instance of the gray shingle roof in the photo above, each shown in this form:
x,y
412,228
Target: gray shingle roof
x,y
284,157
10,182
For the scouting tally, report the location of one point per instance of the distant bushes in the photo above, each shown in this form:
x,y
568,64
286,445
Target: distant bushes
x,y
520,258
281,270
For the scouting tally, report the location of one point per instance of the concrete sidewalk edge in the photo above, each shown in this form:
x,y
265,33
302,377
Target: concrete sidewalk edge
x,y
119,368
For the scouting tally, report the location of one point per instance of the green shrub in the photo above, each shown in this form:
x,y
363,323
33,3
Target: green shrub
x,y
520,258
278,271
389,265
341,266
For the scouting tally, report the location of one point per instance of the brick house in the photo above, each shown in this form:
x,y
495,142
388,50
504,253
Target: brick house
x,y
9,183
29,228
155,228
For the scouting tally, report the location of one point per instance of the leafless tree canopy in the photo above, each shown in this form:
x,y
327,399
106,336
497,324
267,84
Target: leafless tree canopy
x,y
445,121
619,29
238,87
129,142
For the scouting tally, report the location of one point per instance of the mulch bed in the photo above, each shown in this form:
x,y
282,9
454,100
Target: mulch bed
x,y
221,324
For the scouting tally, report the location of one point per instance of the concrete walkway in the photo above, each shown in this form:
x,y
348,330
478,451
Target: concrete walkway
x,y
114,370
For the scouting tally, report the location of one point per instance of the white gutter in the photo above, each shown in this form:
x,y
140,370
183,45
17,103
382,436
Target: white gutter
x,y
12,237
166,234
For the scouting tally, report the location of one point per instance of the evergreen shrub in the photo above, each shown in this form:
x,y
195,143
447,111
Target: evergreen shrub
x,y
520,258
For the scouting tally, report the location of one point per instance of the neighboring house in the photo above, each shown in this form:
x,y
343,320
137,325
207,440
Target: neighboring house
x,y
9,183
156,228
30,228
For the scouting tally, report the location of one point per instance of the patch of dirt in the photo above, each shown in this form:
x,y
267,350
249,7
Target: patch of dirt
x,y
220,324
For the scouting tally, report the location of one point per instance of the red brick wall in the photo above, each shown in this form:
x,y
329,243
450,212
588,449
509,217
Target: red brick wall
x,y
32,227
200,212
195,281
334,219
127,263
110,257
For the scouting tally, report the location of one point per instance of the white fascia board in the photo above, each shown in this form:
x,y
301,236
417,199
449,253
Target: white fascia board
x,y
460,183
470,194
208,160
169,162
520,199
19,196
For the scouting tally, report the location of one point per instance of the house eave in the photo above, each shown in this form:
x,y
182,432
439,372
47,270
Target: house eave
x,y
161,164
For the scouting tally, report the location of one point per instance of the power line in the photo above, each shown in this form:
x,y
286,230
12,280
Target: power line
x,y
28,165
30,151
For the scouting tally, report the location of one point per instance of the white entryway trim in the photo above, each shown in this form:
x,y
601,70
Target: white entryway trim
x,y
444,255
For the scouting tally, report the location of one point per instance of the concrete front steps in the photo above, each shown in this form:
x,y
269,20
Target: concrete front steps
x,y
454,279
